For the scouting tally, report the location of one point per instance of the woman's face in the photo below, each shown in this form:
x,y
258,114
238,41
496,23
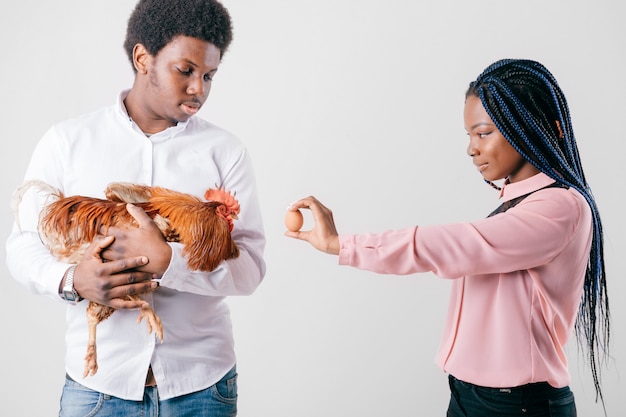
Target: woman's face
x,y
492,154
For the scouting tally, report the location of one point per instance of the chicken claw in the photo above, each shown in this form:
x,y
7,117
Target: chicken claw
x,y
91,361
152,320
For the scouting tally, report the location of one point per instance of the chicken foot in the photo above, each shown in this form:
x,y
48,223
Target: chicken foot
x,y
97,313
152,320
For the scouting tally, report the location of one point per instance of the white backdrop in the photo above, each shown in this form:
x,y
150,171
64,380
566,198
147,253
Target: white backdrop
x,y
358,103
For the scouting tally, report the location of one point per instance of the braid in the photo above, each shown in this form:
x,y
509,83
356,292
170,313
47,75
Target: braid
x,y
526,146
528,107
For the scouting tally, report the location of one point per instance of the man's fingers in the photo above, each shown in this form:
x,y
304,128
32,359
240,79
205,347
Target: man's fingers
x,y
133,262
138,214
120,265
101,243
123,303
118,296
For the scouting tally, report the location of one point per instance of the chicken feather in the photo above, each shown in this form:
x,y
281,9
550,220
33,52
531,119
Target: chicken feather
x,y
68,225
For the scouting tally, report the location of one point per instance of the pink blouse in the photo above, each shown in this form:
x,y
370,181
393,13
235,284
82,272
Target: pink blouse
x,y
518,280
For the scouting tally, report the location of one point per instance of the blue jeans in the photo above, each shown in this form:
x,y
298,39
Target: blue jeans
x,y
219,400
531,400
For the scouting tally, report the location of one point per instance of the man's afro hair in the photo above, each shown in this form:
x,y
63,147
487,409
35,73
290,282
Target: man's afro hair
x,y
154,23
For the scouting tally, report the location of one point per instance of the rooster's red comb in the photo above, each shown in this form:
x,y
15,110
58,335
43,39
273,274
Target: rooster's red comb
x,y
223,196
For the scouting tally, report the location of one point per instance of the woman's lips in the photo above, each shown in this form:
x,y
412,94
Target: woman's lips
x,y
481,167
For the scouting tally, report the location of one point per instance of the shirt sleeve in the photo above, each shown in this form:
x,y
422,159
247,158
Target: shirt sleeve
x,y
239,276
527,235
28,260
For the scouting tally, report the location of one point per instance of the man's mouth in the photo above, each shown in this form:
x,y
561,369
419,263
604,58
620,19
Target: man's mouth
x,y
190,107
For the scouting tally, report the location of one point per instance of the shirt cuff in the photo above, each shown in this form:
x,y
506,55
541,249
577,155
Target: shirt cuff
x,y
345,246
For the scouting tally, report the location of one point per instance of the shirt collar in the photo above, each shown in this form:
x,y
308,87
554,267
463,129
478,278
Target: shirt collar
x,y
119,104
122,112
512,190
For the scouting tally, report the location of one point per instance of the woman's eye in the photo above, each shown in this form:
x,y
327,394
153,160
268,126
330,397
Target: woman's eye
x,y
482,134
207,77
184,71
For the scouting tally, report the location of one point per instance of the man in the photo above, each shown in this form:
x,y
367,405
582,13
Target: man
x,y
150,136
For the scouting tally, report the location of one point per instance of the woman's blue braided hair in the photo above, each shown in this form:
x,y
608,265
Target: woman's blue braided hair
x,y
528,107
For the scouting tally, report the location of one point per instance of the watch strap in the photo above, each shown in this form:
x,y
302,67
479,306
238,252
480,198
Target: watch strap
x,y
69,292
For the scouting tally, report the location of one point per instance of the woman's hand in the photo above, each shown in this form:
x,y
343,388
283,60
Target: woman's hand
x,y
323,236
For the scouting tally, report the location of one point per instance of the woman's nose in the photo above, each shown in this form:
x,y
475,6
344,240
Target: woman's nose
x,y
472,150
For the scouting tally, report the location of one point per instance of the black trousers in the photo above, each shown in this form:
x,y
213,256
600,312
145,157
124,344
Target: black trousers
x,y
530,400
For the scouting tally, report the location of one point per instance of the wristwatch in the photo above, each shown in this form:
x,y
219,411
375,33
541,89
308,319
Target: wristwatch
x,y
69,293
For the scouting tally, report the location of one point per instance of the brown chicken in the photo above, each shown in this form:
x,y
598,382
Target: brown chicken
x,y
68,225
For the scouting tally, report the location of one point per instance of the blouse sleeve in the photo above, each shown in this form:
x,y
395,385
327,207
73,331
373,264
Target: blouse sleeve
x,y
527,235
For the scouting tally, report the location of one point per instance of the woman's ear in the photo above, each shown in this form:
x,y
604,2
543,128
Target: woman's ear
x,y
140,58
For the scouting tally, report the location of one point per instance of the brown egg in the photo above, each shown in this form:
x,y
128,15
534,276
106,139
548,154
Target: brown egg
x,y
294,220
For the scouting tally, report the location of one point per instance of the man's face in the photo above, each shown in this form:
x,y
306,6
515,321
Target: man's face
x,y
179,79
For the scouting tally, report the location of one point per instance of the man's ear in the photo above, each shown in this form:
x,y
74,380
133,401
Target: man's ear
x,y
140,58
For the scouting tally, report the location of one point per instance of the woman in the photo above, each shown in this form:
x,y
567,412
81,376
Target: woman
x,y
524,277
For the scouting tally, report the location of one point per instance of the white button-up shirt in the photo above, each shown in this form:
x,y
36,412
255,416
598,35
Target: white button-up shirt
x,y
80,157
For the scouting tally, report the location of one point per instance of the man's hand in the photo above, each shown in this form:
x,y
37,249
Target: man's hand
x,y
108,283
145,240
